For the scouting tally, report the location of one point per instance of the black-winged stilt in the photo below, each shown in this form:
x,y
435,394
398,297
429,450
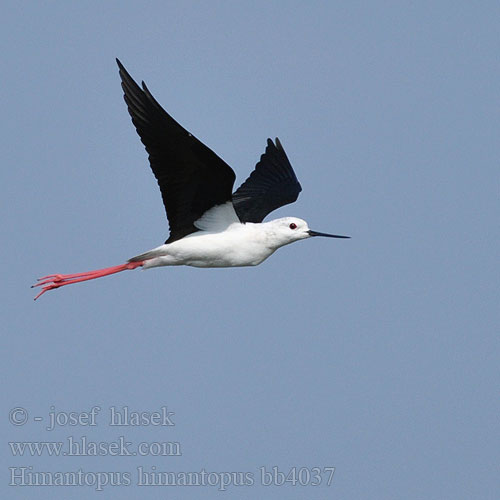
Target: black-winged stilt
x,y
209,225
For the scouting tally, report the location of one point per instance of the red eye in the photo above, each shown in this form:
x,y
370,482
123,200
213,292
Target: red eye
x,y
293,225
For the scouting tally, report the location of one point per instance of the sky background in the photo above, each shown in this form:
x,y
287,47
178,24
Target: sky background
x,y
377,355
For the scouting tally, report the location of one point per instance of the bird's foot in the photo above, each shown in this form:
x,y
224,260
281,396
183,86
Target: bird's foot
x,y
53,281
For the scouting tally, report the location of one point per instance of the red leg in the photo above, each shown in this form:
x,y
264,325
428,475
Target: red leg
x,y
53,281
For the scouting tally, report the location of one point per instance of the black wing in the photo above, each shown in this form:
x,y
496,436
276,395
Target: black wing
x,y
192,178
271,185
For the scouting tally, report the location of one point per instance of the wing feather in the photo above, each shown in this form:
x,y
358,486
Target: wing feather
x,y
191,177
271,185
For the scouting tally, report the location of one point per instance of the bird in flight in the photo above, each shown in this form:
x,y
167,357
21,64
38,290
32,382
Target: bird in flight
x,y
210,226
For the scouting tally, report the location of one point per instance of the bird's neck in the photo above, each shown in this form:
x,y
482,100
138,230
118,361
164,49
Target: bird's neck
x,y
274,239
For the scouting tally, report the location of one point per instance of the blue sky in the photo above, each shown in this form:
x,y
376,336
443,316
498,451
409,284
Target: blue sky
x,y
377,355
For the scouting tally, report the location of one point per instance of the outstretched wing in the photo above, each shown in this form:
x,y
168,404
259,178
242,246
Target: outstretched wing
x,y
271,185
192,178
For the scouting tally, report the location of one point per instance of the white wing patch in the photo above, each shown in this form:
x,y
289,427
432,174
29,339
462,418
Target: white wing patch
x,y
217,218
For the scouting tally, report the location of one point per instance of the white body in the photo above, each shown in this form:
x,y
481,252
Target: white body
x,y
223,241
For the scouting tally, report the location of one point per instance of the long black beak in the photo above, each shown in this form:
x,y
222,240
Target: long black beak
x,y
315,233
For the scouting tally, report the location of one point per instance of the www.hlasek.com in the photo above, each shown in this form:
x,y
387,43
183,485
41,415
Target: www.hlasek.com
x,y
83,447
295,476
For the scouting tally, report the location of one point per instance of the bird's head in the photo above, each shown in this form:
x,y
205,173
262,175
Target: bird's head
x,y
289,229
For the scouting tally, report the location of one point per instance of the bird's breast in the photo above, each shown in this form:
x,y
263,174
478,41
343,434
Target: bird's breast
x,y
232,248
